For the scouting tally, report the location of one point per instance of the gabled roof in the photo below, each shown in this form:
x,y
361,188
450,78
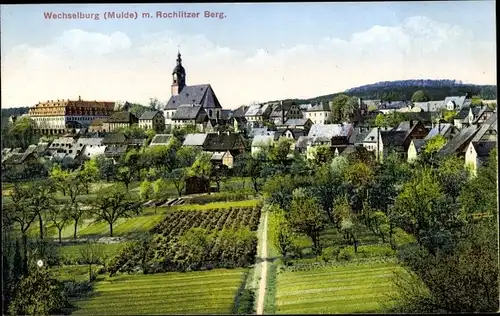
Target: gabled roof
x,y
189,112
488,126
240,111
280,108
393,105
262,141
462,114
419,144
222,141
94,141
114,138
296,133
303,142
458,100
199,94
253,110
194,140
296,122
218,155
483,148
329,130
12,158
160,139
430,106
121,117
260,131
459,140
320,107
439,129
393,138
149,115
358,135
115,151
484,109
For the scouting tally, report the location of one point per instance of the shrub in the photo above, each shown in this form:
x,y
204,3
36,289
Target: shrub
x,y
370,251
76,289
346,254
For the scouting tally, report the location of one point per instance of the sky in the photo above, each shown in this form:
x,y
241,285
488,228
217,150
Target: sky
x,y
246,52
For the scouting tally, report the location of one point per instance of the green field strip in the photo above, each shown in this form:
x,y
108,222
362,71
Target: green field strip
x,y
328,309
349,270
346,290
174,286
211,292
175,275
346,280
159,299
315,288
158,310
333,297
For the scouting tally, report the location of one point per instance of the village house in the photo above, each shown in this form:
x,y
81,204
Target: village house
x,y
195,140
239,119
484,114
290,133
459,143
257,114
358,135
430,106
321,113
333,135
456,103
190,115
181,94
285,111
119,120
447,130
415,148
296,124
391,106
487,130
152,120
223,142
90,147
96,126
223,158
477,153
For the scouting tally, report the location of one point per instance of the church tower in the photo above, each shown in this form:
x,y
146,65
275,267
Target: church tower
x,y
178,77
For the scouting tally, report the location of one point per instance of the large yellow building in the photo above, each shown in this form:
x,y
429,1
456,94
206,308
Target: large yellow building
x,y
55,116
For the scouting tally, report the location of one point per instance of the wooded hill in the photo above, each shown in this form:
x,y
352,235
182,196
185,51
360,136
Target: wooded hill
x,y
402,90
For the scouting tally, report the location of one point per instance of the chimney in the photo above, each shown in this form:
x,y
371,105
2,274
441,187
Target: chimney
x,y
411,123
79,98
439,126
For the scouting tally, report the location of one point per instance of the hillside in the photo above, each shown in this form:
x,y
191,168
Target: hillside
x,y
404,89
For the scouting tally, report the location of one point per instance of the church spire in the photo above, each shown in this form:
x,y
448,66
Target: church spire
x,y
178,76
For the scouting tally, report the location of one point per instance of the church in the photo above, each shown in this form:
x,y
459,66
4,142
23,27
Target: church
x,y
201,98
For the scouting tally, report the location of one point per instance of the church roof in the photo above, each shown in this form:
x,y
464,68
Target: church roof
x,y
199,94
188,112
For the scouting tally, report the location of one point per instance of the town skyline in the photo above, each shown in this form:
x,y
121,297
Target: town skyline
x,y
132,60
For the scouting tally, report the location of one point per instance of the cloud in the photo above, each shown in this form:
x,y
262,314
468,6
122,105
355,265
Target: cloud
x,y
113,67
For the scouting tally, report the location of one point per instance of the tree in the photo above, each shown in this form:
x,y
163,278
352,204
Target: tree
x,y
124,175
145,190
280,151
434,144
88,174
253,168
380,121
305,216
338,107
186,156
113,204
350,109
91,254
159,189
203,167
18,211
154,104
420,96
107,168
282,233
59,216
178,178
40,199
74,188
59,177
423,211
453,176
21,132
196,244
278,190
38,294
219,174
145,250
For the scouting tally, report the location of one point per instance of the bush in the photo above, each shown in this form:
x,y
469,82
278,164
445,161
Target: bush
x,y
370,251
246,303
219,197
75,289
330,254
346,254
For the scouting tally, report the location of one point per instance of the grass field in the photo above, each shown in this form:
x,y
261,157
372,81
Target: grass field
x,y
73,251
203,292
343,289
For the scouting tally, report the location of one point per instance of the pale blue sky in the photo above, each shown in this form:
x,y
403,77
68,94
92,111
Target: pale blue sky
x,y
246,29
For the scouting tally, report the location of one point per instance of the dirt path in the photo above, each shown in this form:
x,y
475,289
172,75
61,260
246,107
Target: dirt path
x,y
263,269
